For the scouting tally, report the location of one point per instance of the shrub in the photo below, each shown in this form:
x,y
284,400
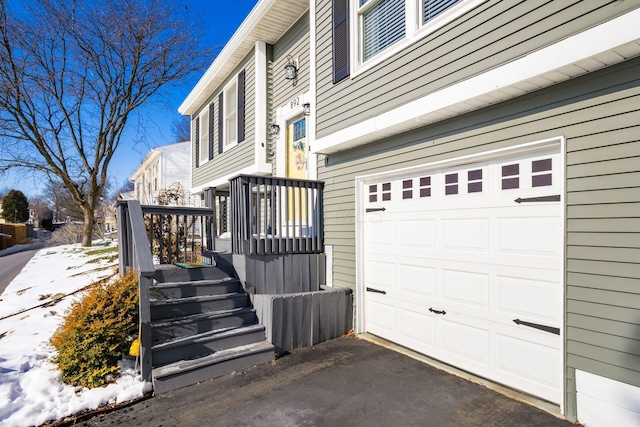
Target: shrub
x,y
95,334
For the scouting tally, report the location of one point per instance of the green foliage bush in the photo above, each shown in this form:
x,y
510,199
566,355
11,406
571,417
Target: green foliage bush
x,y
94,336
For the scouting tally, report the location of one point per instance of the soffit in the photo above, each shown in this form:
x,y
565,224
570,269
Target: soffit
x,y
267,22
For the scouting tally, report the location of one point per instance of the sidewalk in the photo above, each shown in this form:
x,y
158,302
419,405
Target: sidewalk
x,y
342,382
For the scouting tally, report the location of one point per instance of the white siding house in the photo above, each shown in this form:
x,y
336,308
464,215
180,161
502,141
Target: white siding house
x,y
164,168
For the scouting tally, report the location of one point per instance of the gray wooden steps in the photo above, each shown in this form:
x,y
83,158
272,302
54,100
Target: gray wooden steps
x,y
202,327
177,307
183,373
172,273
190,347
185,289
183,326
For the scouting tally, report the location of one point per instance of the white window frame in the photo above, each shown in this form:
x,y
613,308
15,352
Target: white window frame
x,y
414,30
154,175
230,115
203,136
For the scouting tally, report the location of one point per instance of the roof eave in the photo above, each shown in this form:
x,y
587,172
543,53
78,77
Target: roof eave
x,y
241,42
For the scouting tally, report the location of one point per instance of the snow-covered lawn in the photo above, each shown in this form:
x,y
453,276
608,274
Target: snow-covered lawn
x,y
31,388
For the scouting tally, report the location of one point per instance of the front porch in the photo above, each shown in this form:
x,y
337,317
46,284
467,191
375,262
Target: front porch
x,y
257,289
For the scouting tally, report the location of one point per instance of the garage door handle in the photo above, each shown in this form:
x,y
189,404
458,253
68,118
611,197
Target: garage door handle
x,y
555,198
377,291
545,328
437,311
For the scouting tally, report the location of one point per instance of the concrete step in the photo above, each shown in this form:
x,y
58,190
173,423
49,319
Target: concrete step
x,y
173,273
184,373
174,290
171,308
184,326
194,346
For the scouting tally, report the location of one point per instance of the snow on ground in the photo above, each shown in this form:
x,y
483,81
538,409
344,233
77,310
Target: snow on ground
x,y
31,388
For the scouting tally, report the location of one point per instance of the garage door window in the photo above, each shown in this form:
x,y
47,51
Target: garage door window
x,y
384,195
451,184
425,186
511,176
541,173
474,181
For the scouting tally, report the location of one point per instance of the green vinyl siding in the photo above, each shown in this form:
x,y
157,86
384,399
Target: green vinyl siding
x,y
294,44
599,117
243,154
492,34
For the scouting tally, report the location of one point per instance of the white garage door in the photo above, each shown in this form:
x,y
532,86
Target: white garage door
x,y
465,265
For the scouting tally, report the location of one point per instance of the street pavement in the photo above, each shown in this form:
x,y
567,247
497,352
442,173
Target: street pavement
x,y
13,260
342,382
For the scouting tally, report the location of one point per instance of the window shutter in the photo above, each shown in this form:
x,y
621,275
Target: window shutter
x,y
220,122
340,34
240,112
211,122
197,142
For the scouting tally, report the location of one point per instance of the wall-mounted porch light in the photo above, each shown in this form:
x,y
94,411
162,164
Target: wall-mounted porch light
x,y
291,70
274,129
307,108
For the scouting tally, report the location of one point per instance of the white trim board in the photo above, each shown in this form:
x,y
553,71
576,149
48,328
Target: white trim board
x,y
499,84
223,182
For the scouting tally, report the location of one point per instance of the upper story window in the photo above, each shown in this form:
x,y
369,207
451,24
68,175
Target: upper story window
x,y
381,28
230,127
224,118
383,23
204,135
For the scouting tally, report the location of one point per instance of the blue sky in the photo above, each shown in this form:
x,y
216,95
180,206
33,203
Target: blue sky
x,y
221,19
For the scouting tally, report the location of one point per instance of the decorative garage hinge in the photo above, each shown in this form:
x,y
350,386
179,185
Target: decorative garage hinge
x,y
555,198
377,291
545,328
375,210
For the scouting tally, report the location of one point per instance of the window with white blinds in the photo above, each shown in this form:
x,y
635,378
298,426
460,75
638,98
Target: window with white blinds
x,y
381,28
433,8
383,24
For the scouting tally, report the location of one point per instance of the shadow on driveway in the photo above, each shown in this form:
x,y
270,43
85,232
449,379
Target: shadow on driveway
x,y
342,382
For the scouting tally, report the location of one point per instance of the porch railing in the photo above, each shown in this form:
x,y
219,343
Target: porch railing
x,y
134,253
220,203
149,235
271,215
178,233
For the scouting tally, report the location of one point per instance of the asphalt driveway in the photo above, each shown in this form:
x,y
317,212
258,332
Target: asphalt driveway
x,y
342,382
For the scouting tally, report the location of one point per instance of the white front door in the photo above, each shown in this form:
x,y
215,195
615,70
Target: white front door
x,y
464,264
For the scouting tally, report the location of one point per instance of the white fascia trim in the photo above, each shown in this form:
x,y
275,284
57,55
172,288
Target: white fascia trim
x,y
256,14
151,156
224,181
594,41
260,112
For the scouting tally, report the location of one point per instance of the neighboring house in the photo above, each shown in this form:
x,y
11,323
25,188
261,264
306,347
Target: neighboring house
x,y
164,168
480,161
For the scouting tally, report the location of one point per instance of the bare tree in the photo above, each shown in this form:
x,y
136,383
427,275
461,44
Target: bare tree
x,y
72,75
58,199
181,128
